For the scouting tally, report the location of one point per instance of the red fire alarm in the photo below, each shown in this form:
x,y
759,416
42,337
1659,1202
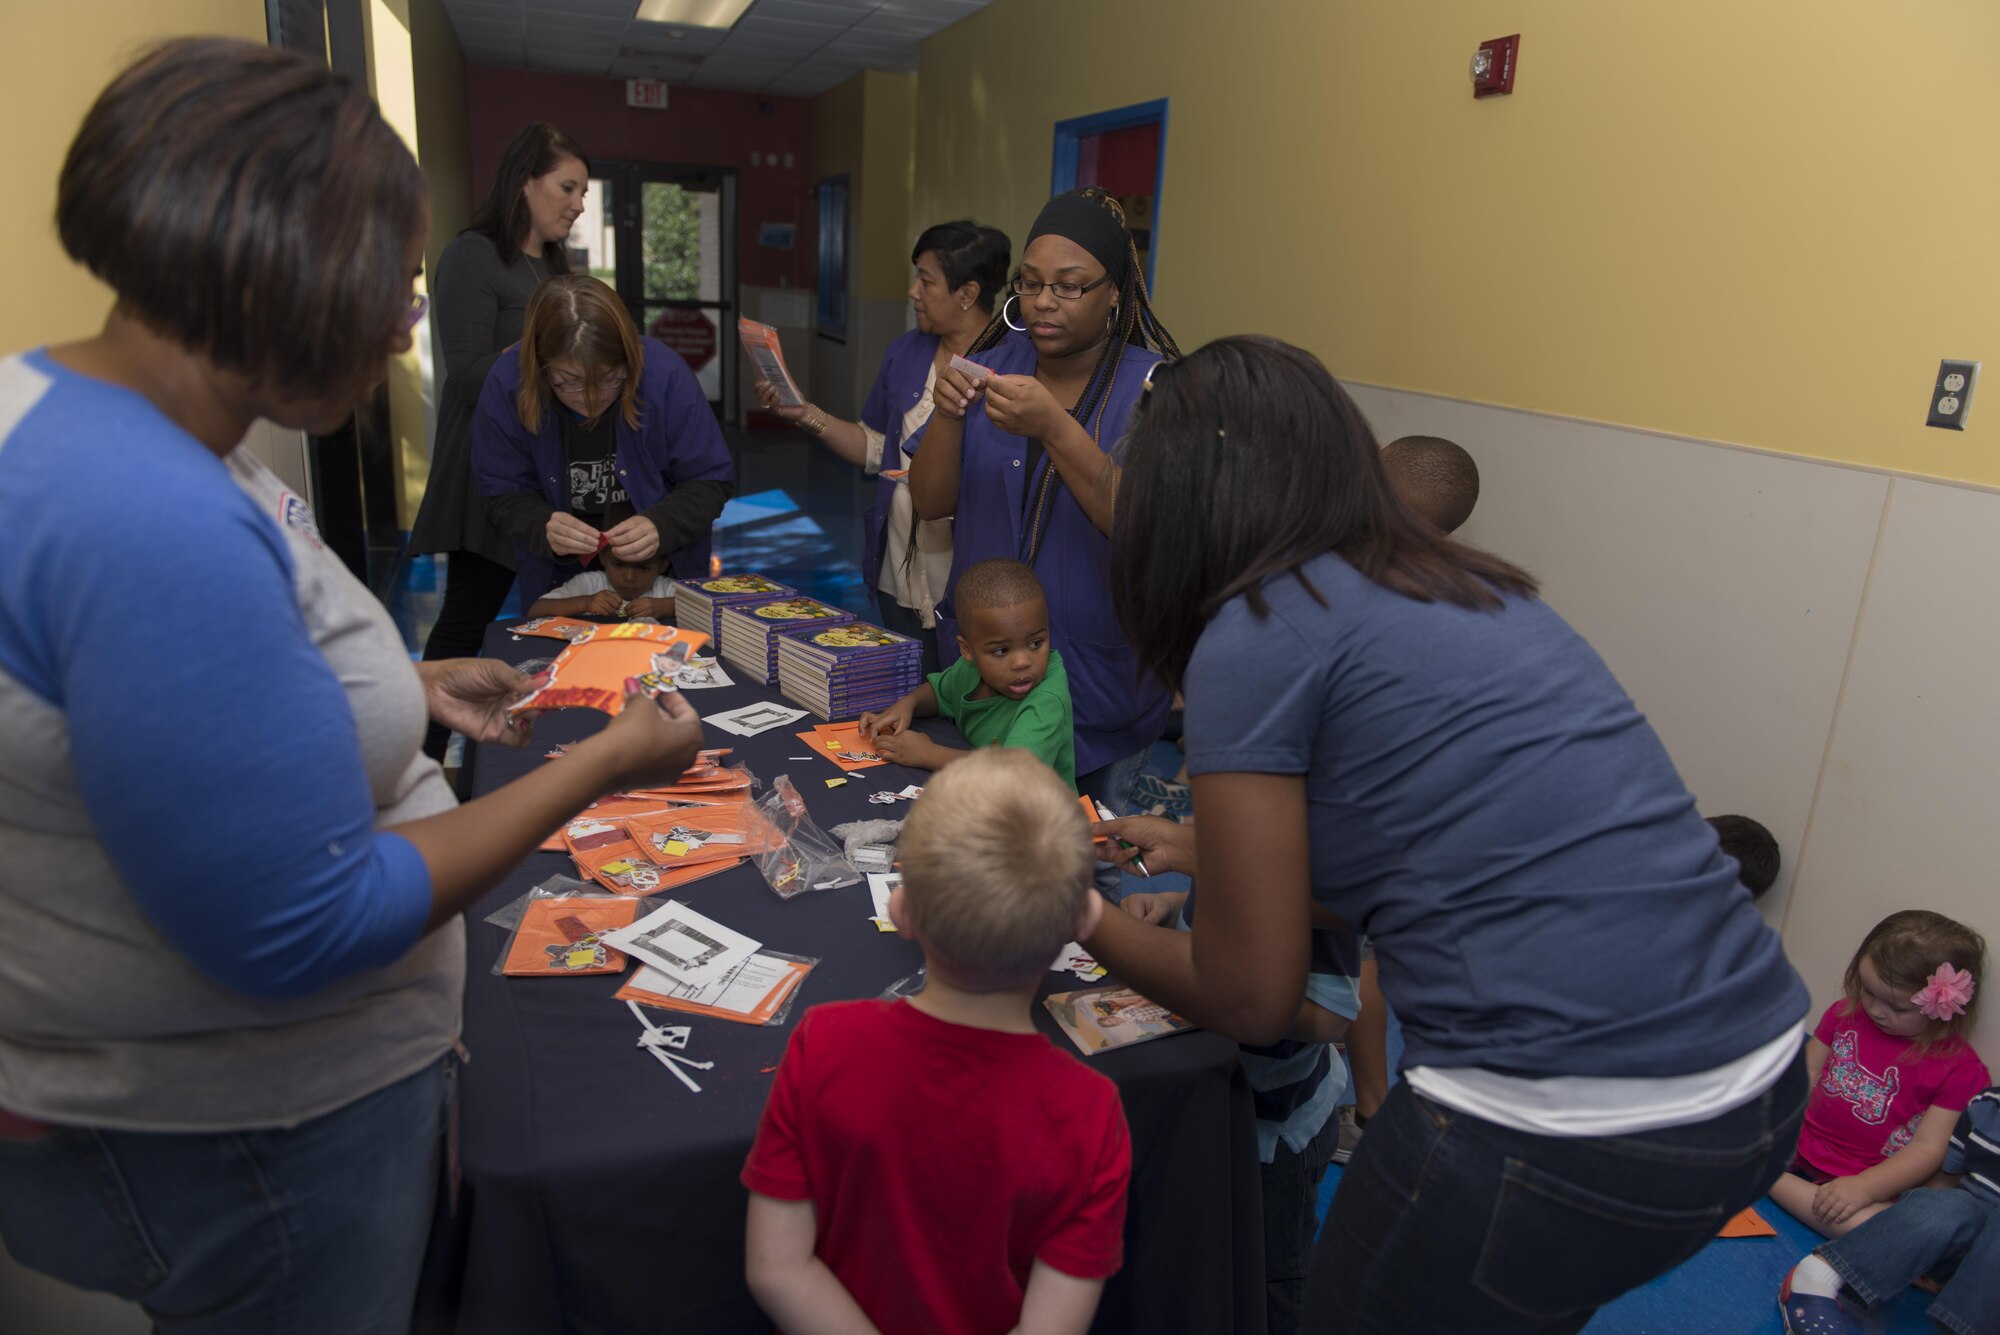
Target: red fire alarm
x,y
1493,66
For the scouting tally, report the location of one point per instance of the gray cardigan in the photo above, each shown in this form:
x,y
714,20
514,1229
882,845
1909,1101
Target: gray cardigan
x,y
479,302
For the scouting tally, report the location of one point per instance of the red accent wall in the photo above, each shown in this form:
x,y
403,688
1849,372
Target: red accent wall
x,y
1125,162
701,127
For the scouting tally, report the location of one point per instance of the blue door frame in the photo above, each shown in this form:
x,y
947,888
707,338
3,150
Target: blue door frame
x,y
1124,118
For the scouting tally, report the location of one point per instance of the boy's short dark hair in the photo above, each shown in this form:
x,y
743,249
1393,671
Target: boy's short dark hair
x,y
1754,849
251,205
998,582
657,561
1435,477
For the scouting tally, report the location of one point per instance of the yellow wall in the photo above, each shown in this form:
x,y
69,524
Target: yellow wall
x,y
443,135
54,65
866,128
1758,223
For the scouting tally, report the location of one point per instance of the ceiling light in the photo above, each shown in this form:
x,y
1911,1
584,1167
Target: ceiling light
x,y
694,13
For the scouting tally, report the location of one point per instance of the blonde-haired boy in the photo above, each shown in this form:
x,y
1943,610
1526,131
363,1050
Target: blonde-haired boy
x,y
936,1164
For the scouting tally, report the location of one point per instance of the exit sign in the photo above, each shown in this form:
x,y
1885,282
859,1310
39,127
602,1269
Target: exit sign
x,y
646,93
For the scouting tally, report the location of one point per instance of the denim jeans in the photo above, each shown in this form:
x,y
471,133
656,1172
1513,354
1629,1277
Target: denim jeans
x,y
1291,1219
1112,785
319,1228
1924,1230
1445,1222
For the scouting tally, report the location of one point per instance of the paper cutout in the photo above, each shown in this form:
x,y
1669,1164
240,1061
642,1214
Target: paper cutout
x,y
557,628
620,867
1079,962
603,541
753,993
1747,1223
842,743
835,783
592,672
690,948
1104,1018
749,720
972,371
724,834
565,936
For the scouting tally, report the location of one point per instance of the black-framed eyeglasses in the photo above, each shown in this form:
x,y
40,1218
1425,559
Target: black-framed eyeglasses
x,y
576,384
1032,287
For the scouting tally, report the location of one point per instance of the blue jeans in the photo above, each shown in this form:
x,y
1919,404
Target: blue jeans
x,y
1112,785
1926,1229
1291,1219
1445,1222
316,1229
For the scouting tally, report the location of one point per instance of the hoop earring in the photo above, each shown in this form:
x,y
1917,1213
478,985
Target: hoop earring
x,y
1017,328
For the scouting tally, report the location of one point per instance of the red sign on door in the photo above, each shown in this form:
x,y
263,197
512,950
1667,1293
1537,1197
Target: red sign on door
x,y
688,332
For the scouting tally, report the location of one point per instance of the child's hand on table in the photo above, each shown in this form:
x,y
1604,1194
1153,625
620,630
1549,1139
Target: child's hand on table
x,y
912,749
660,609
895,719
603,603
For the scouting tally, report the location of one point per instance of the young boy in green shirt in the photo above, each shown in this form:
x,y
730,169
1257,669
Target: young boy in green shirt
x,y
1008,687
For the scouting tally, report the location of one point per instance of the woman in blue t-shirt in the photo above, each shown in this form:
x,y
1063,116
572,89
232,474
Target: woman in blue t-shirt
x,y
1388,728
1032,476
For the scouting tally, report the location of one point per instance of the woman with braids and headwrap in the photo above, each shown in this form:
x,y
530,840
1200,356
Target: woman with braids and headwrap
x,y
1034,475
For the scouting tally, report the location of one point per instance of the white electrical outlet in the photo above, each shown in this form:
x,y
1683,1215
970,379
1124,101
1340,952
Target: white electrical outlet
x,y
1951,396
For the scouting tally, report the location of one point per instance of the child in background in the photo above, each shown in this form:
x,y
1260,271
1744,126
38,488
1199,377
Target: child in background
x,y
1925,1230
1008,687
1755,851
628,590
1295,1086
1891,1071
935,1164
1435,477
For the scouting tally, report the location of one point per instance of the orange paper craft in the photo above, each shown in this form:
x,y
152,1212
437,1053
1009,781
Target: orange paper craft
x,y
614,809
592,672
617,864
853,752
555,628
650,834
1747,1223
561,936
764,1011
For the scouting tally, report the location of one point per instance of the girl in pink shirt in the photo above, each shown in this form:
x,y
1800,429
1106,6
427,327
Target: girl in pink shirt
x,y
1891,1071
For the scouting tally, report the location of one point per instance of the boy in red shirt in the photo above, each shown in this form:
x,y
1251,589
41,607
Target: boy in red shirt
x,y
936,1164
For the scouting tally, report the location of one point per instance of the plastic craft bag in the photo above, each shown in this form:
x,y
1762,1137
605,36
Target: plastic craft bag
x,y
904,987
870,844
562,935
802,857
558,886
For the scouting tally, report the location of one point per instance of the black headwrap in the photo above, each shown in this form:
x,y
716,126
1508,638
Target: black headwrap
x,y
1076,216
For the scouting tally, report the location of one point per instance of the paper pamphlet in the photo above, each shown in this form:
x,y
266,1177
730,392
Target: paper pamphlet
x,y
691,948
767,361
1104,1018
756,991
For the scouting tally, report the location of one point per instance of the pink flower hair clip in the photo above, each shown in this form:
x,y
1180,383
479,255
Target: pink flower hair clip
x,y
1945,993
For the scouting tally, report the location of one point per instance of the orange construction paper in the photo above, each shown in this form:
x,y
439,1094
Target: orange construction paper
x,y
555,628
592,672
764,1011
1747,1224
854,752
604,851
649,832
561,936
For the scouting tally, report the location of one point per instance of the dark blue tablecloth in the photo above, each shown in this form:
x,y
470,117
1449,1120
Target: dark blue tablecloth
x,y
600,1195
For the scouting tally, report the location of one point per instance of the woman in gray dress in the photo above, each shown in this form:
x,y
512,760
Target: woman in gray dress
x,y
480,295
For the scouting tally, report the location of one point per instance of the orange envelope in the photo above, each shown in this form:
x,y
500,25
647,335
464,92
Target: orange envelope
x,y
564,936
604,852
1747,1223
843,745
692,836
592,672
555,628
796,971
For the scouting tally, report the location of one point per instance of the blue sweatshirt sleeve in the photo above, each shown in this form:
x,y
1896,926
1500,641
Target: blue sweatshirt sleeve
x,y
215,750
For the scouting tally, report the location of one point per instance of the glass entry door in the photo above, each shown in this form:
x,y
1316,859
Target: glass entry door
x,y
665,237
